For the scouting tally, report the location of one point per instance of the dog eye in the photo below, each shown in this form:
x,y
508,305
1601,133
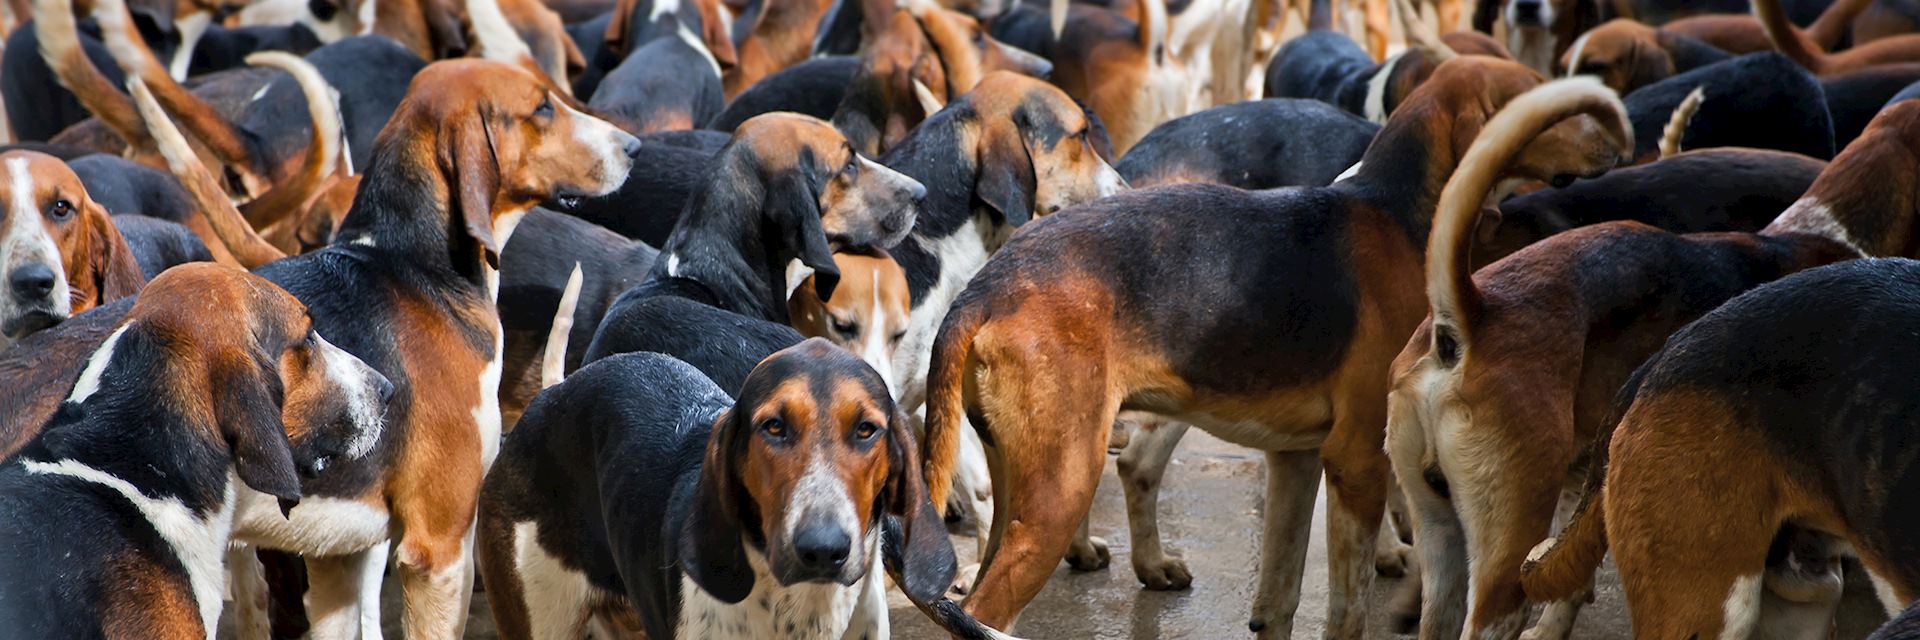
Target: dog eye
x,y
60,210
897,337
774,427
866,429
545,110
845,328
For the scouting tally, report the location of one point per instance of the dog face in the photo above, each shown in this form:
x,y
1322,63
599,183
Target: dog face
x,y
1037,149
815,458
283,399
1623,53
1579,147
1531,14
868,315
820,191
511,142
59,252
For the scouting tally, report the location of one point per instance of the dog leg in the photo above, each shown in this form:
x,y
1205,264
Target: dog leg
x,y
1088,552
1391,557
1141,467
1557,618
247,582
973,485
373,575
1439,539
334,598
1293,481
436,586
1358,477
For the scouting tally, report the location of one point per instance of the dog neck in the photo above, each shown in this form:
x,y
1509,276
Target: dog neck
x,y
390,214
720,246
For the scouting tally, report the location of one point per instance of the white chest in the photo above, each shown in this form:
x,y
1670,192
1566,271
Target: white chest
x,y
798,612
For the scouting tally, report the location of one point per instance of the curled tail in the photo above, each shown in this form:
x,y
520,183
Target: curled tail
x,y
1450,288
946,394
1677,124
59,35
323,149
249,250
553,363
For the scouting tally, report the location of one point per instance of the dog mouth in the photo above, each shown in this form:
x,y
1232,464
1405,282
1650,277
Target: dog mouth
x,y
28,322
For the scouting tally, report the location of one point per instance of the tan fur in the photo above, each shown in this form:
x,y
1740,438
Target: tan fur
x,y
553,364
248,249
1802,48
1677,124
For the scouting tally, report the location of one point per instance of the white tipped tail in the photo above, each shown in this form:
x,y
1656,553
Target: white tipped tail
x,y
553,363
1677,124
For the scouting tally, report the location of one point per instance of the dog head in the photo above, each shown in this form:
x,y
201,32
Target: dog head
x,y
1036,151
60,253
868,315
1624,54
254,375
813,465
505,142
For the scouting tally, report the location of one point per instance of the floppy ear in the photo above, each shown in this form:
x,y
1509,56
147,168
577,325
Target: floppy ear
x,y
475,175
712,551
114,271
714,33
918,552
792,203
1005,181
1649,64
615,39
841,30
445,27
247,413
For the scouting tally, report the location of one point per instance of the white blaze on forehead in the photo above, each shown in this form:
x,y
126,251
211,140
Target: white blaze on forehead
x,y
24,240
821,491
873,346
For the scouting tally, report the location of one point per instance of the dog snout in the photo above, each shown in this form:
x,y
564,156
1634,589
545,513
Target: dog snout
x,y
822,549
629,145
381,386
32,281
915,191
1527,12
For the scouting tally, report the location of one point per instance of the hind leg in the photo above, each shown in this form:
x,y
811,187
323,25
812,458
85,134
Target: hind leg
x,y
1050,439
336,594
1088,552
1557,618
1141,467
1440,608
247,582
1358,477
1293,481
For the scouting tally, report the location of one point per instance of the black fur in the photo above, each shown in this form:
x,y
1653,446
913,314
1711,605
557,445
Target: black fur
x,y
1760,100
647,205
370,72
536,262
1258,144
1905,626
125,187
223,48
591,38
1855,98
38,107
661,78
813,87
159,244
704,140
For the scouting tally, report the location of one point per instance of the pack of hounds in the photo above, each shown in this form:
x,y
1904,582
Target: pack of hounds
x,y
709,318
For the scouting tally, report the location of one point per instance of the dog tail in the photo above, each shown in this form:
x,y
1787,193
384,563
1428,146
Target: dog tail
x,y
1422,34
248,249
1320,15
1786,38
1450,288
323,149
1677,124
1153,28
956,621
59,35
946,394
1833,23
553,363
223,138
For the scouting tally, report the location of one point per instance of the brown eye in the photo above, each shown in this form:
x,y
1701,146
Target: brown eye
x,y
845,328
774,427
865,430
60,210
545,110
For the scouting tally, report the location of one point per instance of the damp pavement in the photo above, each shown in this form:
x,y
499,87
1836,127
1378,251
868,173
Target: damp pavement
x,y
1210,506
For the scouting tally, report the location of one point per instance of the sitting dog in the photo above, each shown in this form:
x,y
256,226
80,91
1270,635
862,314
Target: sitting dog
x,y
117,517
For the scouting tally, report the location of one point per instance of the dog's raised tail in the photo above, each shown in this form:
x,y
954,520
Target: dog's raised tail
x,y
1320,15
1450,288
1786,38
553,363
220,136
323,148
1677,124
946,394
248,248
59,35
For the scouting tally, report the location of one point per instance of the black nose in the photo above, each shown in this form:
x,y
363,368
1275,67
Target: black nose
x,y
918,192
1526,11
631,146
822,548
31,282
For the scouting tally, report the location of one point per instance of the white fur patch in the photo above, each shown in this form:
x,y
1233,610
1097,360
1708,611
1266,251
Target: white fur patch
x,y
661,8
1350,172
693,40
813,611
200,543
557,598
96,366
191,27
1883,590
1376,105
318,526
1810,216
961,254
350,374
24,240
368,12
1579,49
487,415
872,345
797,274
673,270
603,141
1742,608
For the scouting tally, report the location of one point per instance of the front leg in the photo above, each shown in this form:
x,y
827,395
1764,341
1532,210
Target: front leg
x,y
1293,480
1141,467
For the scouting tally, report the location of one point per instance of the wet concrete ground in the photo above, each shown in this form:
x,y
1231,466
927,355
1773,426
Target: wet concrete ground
x,y
1210,512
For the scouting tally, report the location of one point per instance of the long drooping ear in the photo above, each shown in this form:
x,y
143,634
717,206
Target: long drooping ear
x,y
712,544
1649,63
840,30
1005,181
793,202
114,271
247,411
714,33
917,552
445,27
473,176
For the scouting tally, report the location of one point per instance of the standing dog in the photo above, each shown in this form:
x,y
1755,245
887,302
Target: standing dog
x,y
1291,358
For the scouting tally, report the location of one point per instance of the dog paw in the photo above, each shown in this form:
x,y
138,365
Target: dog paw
x,y
1165,574
963,579
1092,556
1393,559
